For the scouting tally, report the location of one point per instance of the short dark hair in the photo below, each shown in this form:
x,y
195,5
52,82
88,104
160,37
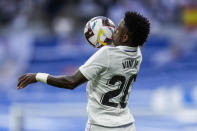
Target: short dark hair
x,y
138,28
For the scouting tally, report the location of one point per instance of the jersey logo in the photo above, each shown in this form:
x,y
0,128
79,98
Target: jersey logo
x,y
130,63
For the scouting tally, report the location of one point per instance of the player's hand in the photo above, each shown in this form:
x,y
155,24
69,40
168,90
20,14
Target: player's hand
x,y
26,79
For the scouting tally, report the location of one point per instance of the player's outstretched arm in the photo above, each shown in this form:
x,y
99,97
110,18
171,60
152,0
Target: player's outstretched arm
x,y
66,82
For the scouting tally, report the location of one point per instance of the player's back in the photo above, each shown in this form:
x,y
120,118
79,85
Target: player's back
x,y
115,69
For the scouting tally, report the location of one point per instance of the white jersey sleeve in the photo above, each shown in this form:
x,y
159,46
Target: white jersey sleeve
x,y
95,64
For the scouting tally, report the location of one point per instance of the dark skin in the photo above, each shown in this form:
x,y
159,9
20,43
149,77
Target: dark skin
x,y
66,82
120,37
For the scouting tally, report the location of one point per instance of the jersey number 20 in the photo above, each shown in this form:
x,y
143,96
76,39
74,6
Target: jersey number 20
x,y
123,87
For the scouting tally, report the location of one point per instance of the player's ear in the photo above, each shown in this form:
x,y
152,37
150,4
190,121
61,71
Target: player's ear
x,y
125,37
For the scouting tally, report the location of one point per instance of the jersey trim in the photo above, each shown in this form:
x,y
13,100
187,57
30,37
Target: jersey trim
x,y
130,51
81,69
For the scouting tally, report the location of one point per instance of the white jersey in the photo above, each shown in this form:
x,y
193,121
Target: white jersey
x,y
111,72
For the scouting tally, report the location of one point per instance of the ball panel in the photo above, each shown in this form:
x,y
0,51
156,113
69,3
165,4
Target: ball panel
x,y
107,22
89,33
107,32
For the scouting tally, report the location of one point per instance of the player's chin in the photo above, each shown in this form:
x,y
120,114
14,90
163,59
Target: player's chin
x,y
108,42
113,40
99,46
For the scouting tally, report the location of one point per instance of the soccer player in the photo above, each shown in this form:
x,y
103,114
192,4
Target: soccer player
x,y
110,73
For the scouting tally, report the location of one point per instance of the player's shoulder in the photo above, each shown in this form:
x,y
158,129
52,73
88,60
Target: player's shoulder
x,y
104,49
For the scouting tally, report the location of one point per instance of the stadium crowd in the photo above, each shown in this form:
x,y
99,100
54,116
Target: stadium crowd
x,y
47,36
24,22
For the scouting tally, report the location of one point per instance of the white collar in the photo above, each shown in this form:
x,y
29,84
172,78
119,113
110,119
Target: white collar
x,y
128,48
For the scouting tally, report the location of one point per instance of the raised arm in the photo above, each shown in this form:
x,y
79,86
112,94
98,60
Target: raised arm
x,y
66,82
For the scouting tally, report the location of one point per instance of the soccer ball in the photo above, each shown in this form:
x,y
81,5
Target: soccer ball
x,y
98,31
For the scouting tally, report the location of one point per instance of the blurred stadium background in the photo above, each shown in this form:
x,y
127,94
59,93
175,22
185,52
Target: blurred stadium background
x,y
47,36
